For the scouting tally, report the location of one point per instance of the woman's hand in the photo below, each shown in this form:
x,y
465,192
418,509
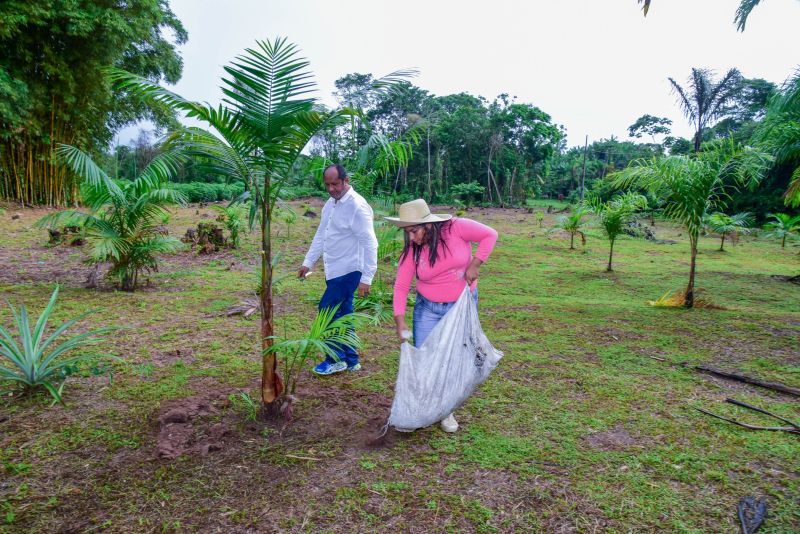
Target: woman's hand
x,y
471,274
403,333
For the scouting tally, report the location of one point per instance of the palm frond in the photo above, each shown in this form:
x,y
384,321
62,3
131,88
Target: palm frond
x,y
743,11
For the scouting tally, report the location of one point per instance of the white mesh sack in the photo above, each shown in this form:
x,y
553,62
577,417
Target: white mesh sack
x,y
436,378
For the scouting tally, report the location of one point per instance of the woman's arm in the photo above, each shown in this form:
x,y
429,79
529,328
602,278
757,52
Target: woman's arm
x,y
475,232
402,285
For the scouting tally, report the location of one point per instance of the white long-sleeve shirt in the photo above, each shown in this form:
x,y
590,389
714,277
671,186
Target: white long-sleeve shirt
x,y
345,238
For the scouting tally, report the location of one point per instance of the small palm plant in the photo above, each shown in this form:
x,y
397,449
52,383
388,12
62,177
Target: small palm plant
x,y
539,216
615,214
572,224
36,363
782,226
289,217
728,225
123,223
232,217
325,337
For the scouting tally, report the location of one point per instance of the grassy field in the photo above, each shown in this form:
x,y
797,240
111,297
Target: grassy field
x,y
587,424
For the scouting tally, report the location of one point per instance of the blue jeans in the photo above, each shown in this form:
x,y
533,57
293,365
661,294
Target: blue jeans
x,y
340,291
427,315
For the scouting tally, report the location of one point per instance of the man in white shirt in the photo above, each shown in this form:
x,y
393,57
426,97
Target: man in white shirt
x,y
346,241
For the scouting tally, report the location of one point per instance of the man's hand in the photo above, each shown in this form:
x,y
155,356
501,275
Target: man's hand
x,y
302,272
363,290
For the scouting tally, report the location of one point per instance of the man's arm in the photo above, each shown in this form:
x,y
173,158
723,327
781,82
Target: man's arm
x,y
365,233
314,250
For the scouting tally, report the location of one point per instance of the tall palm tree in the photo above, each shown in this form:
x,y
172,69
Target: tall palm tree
x,y
704,99
694,186
122,225
779,134
267,119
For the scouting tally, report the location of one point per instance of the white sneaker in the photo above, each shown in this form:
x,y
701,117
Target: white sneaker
x,y
449,424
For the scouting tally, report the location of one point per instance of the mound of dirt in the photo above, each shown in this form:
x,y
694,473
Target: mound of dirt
x,y
184,427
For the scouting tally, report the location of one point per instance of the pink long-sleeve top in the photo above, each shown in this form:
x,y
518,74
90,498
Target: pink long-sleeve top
x,y
444,282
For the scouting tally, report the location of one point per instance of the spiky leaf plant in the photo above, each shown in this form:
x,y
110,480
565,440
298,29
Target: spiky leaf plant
x,y
33,361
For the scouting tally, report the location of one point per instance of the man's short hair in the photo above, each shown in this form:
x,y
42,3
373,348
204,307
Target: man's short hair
x,y
341,173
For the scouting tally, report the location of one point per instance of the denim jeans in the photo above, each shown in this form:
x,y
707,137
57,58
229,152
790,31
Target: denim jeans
x,y
340,291
427,314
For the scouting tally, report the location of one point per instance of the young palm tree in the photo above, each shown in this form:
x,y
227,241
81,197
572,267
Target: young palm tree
x,y
572,224
122,225
783,226
693,186
267,119
779,134
703,100
325,336
725,225
615,214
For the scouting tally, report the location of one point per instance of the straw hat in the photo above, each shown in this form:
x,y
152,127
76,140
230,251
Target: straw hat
x,y
416,212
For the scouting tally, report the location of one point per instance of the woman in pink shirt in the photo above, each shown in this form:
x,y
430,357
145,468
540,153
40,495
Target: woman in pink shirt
x,y
438,252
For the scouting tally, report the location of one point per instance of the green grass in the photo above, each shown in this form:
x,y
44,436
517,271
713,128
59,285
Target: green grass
x,y
578,429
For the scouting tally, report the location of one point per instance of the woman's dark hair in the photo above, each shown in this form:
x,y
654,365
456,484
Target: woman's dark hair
x,y
433,236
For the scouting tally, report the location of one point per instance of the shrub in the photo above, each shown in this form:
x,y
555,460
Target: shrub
x,y
32,365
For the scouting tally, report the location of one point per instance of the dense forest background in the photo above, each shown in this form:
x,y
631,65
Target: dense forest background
x,y
457,148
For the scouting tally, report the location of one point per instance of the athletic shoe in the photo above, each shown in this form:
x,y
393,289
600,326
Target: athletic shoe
x,y
326,368
356,367
449,424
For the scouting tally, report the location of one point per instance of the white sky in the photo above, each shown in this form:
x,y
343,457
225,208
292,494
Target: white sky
x,y
594,65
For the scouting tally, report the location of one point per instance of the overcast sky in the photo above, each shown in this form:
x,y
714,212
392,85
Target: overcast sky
x,y
594,65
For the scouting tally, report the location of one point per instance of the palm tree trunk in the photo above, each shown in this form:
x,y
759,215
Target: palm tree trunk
x,y
783,241
271,385
688,300
722,244
610,256
572,241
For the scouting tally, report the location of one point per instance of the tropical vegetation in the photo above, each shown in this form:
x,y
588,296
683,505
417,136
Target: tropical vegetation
x,y
123,223
35,360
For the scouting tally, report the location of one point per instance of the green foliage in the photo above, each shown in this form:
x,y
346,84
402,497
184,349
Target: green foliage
x,y
35,362
704,100
779,134
691,187
324,338
389,242
122,226
726,225
615,214
467,192
650,125
782,226
245,404
377,306
52,89
288,216
572,224
209,192
233,217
